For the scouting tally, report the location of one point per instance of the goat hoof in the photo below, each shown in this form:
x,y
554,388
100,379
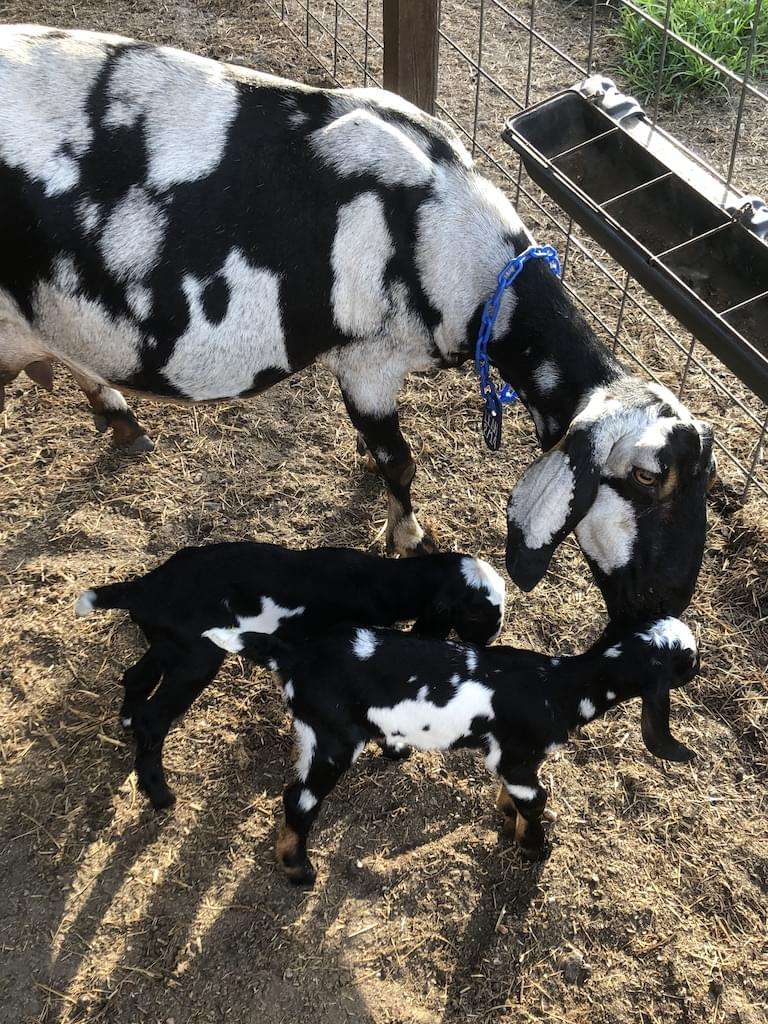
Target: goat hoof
x,y
427,545
395,753
100,422
141,445
534,853
370,465
162,799
303,875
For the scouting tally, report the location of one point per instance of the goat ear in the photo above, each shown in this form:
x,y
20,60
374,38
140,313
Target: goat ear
x,y
551,498
674,667
654,725
434,621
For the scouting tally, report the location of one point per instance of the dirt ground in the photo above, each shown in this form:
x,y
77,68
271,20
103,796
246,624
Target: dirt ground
x,y
651,907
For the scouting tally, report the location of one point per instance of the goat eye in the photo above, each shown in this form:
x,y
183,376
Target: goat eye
x,y
643,477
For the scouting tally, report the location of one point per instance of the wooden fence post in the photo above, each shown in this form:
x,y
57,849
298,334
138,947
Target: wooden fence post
x,y
410,50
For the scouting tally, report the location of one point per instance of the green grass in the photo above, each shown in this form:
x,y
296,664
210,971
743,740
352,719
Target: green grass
x,y
721,28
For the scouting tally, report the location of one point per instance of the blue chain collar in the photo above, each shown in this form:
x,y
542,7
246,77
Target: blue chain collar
x,y
494,400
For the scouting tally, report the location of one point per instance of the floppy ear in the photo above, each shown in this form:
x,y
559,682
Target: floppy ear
x,y
434,621
675,667
551,498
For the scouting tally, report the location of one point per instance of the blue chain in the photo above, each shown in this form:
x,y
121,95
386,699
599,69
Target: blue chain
x,y
507,395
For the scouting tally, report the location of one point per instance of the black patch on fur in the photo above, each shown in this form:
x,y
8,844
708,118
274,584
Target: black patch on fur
x,y
216,300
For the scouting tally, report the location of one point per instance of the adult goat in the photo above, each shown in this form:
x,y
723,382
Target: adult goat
x,y
188,229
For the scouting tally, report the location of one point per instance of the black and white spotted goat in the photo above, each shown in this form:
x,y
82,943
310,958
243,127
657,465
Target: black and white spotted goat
x,y
350,686
198,231
265,588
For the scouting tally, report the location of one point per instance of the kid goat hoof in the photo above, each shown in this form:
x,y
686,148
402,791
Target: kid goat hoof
x,y
301,875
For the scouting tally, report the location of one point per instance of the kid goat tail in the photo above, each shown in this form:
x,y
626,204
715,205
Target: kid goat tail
x,y
259,647
113,595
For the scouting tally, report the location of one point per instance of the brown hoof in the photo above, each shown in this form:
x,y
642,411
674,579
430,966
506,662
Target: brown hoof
x,y
428,545
141,445
303,875
370,465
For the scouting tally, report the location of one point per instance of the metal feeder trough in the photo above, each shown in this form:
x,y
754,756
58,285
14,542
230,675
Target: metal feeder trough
x,y
697,245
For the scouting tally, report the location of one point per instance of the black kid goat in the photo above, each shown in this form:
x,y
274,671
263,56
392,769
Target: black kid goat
x,y
351,685
265,588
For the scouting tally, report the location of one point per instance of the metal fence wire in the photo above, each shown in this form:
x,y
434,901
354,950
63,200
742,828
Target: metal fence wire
x,y
498,57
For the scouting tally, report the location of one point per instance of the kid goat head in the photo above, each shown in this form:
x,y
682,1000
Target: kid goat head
x,y
630,476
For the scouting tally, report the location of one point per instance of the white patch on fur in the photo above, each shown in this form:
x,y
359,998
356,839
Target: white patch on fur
x,y
526,793
670,398
268,620
186,105
586,708
225,638
358,751
90,215
362,247
613,652
221,360
462,243
140,300
624,436
65,275
371,371
552,748
610,695
607,532
482,576
83,333
412,679
471,661
133,235
423,693
391,101
670,632
288,692
306,744
359,143
406,533
445,725
85,604
364,644
493,756
20,343
541,502
45,85
547,376
554,662
307,800
383,456
297,119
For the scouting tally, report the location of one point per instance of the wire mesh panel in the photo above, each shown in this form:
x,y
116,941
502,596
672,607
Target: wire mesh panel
x,y
500,56
346,39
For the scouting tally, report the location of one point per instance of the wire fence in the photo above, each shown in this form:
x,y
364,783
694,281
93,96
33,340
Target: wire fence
x,y
497,57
